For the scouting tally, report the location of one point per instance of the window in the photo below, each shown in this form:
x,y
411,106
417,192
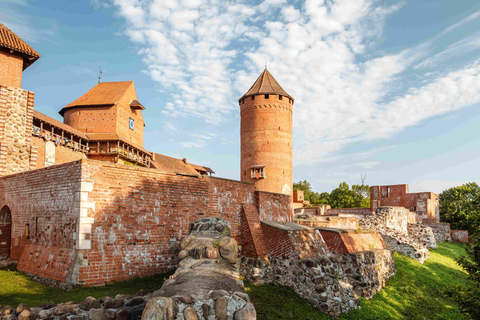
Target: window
x,y
257,172
388,192
131,123
267,96
27,231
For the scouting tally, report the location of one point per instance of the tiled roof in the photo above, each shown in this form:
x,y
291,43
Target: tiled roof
x,y
266,84
11,41
201,168
58,124
170,164
104,93
111,136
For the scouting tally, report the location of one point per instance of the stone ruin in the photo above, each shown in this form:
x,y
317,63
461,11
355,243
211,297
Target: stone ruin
x,y
206,285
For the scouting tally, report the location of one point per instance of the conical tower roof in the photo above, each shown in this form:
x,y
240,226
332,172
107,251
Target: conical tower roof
x,y
266,84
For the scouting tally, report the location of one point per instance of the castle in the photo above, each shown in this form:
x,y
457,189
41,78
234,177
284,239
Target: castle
x,y
83,202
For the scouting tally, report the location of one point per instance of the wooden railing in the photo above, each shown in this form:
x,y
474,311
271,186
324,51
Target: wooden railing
x,y
67,140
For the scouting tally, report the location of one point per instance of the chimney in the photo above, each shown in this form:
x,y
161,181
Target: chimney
x,y
185,160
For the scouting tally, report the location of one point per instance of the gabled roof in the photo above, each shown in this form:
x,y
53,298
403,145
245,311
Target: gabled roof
x,y
11,41
201,168
169,164
266,84
103,94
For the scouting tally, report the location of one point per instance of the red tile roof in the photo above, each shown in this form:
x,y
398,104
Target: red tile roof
x,y
266,84
169,164
11,41
104,93
201,168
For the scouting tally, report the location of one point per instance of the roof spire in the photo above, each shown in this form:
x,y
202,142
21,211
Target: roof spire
x,y
100,75
265,65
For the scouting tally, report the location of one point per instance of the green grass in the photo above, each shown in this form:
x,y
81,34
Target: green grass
x,y
415,292
16,288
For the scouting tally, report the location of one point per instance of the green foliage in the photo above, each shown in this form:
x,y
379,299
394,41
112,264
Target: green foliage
x,y
467,295
341,197
17,287
460,206
356,197
415,292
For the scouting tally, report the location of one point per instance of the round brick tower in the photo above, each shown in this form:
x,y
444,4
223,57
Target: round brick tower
x,y
266,136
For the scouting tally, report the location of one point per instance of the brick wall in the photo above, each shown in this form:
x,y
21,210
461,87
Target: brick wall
x,y
94,222
278,242
11,70
424,203
62,154
44,199
350,242
274,206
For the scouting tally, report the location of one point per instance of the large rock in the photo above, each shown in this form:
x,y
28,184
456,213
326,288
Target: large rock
x,y
221,308
228,249
110,303
247,313
190,314
101,314
21,307
160,308
25,315
63,308
90,303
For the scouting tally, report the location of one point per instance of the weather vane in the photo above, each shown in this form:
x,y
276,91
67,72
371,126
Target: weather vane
x,y
265,66
100,75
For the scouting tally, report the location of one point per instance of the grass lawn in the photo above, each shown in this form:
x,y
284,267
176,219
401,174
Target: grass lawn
x,y
415,292
16,287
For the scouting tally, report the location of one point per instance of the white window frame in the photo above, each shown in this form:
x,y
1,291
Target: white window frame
x,y
258,172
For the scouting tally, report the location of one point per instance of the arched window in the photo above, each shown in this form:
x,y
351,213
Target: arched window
x,y
5,230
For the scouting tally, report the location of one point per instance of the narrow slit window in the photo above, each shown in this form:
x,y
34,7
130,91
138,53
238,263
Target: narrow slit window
x,y
388,192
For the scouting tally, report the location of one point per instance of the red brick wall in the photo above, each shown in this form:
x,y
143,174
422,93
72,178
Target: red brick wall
x,y
340,242
142,214
62,154
278,242
11,69
45,199
274,206
425,202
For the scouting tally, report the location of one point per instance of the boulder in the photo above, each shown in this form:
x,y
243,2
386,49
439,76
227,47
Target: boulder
x,y
229,249
160,308
110,303
21,307
221,308
63,308
25,315
247,313
190,314
101,314
90,303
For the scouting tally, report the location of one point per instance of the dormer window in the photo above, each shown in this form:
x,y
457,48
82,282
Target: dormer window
x,y
258,171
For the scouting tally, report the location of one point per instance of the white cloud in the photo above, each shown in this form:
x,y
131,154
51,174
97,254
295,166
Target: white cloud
x,y
207,53
199,141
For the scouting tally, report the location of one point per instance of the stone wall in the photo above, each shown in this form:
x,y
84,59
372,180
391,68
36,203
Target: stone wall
x,y
422,234
16,112
460,236
328,221
441,231
356,211
392,224
331,282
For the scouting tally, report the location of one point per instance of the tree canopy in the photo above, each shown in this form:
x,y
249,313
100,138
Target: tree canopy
x,y
342,197
460,206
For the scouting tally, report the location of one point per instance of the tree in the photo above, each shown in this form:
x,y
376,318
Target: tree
x,y
460,206
305,187
344,197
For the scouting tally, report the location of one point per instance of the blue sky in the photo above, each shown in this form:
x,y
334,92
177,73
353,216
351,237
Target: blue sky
x,y
390,89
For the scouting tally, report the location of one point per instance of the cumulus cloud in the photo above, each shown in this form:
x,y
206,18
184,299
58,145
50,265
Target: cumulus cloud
x,y
207,53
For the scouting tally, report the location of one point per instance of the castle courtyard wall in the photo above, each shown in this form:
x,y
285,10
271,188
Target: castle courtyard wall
x,y
95,222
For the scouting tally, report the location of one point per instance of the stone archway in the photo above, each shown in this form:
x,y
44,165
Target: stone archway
x,y
5,231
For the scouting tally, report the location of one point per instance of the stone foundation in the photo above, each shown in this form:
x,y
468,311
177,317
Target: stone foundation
x,y
422,234
392,224
332,283
441,231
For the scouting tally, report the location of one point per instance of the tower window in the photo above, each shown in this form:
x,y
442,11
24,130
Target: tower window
x,y
258,172
267,96
280,97
253,97
388,192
